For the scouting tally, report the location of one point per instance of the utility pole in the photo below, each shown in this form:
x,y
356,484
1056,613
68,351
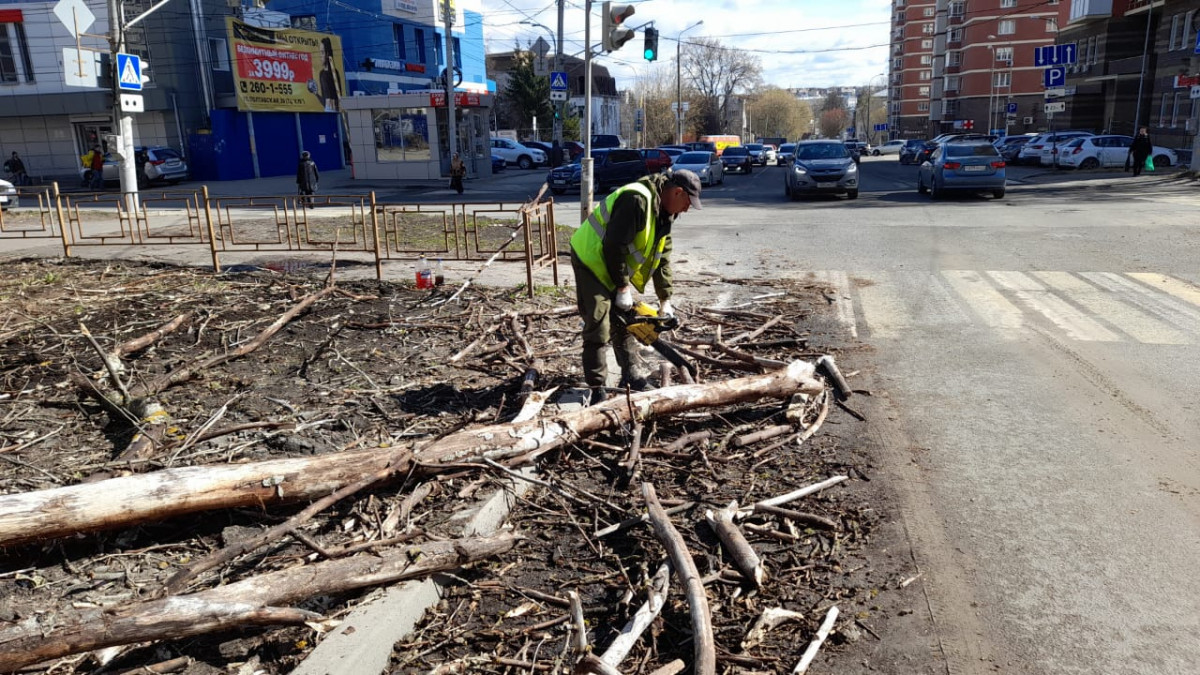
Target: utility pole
x,y
451,122
585,162
122,121
559,106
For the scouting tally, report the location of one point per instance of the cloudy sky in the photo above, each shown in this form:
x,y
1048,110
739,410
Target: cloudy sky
x,y
801,43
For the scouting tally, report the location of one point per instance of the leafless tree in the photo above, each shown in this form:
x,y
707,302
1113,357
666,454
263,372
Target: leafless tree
x,y
717,73
653,92
779,114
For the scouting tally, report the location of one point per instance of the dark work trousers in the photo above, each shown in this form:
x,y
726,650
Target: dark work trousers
x,y
595,305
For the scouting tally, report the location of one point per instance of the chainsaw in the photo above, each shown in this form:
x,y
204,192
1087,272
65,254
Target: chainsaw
x,y
643,322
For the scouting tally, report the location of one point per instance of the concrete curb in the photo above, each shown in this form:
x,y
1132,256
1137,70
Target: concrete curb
x,y
362,643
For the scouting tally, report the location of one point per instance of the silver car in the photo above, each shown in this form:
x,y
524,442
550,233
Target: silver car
x,y
821,167
706,165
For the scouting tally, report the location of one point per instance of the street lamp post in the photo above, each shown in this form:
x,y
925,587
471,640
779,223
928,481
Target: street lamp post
x,y
678,85
991,86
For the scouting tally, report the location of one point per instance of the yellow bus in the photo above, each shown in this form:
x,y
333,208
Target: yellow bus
x,y
722,141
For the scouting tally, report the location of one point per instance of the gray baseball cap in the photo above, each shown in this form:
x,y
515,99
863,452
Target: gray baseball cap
x,y
690,183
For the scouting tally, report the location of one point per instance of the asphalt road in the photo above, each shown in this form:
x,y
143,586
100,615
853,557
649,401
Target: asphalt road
x,y
1036,398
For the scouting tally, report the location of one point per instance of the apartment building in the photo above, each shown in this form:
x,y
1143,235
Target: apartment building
x,y
968,64
1137,67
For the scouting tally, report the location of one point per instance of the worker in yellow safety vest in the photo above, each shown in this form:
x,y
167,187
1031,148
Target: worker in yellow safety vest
x,y
625,242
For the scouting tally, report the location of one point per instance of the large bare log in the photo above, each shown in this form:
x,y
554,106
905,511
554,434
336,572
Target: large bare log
x,y
704,649
129,500
257,600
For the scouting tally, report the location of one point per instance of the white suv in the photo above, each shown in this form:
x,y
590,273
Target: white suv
x,y
513,152
1042,149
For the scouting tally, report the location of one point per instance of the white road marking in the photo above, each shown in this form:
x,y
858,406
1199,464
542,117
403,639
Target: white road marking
x,y
886,314
1136,323
1177,313
988,304
840,282
1177,288
1073,322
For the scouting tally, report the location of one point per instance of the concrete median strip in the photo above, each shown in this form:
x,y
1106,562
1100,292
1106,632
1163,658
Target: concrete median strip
x,y
362,643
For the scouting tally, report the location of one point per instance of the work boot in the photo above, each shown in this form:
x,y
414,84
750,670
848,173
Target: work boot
x,y
598,396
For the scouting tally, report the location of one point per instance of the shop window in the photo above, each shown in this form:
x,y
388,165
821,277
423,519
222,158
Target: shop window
x,y
15,64
401,135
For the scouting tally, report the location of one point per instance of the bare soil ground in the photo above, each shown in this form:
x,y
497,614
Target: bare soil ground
x,y
372,368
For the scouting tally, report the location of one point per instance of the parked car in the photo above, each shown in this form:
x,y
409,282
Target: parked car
x,y
1054,144
657,160
611,168
538,145
8,195
925,152
737,158
974,166
159,164
859,147
758,153
162,164
889,148
574,149
704,164
516,153
825,167
498,163
1010,146
1094,152
607,141
1031,152
912,147
784,155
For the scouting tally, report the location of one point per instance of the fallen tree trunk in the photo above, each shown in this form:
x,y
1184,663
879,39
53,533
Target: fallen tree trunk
x,y
257,600
130,500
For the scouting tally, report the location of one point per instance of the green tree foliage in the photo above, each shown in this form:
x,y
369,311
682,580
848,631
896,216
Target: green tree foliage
x,y
528,94
778,113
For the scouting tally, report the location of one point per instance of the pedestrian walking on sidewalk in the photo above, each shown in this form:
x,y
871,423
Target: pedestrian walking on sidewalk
x,y
94,161
1140,150
623,244
15,169
458,171
306,178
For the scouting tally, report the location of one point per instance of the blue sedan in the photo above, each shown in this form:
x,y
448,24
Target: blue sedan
x,y
972,166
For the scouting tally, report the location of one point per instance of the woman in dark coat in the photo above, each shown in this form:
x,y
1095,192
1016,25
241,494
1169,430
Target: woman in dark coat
x,y
1140,149
306,178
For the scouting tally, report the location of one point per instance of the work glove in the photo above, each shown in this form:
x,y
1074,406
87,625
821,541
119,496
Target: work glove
x,y
666,309
624,299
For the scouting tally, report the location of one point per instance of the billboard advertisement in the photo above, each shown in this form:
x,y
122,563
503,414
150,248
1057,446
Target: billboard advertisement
x,y
286,70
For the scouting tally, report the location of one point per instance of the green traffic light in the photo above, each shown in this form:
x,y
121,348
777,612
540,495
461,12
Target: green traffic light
x,y
649,54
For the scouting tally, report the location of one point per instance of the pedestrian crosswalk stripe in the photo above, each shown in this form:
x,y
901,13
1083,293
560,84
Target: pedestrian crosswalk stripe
x,y
1165,307
1175,287
1062,314
1147,308
988,304
1136,323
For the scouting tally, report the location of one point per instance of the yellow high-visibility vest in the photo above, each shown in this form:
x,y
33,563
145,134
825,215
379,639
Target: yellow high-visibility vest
x,y
642,255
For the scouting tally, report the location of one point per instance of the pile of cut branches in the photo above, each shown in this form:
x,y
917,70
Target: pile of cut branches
x,y
200,469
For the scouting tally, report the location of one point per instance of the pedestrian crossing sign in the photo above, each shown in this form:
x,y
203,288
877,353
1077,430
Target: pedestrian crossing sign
x,y
129,72
558,81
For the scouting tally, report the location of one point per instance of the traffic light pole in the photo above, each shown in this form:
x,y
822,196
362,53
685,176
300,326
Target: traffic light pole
x,y
559,106
585,163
